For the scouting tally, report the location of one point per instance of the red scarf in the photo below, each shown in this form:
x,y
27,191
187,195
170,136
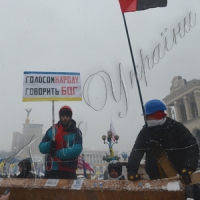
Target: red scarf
x,y
60,142
158,115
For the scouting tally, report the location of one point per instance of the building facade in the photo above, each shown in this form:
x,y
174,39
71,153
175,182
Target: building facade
x,y
17,142
183,104
31,132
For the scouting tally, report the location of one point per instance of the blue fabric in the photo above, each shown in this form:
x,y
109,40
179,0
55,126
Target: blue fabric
x,y
154,105
74,147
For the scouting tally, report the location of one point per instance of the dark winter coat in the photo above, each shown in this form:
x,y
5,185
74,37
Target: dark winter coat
x,y
177,141
25,174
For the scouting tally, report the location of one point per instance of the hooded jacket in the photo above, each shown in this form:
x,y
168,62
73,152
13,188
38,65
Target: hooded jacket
x,y
25,165
65,158
176,140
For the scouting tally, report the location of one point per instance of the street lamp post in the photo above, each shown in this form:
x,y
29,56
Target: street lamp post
x,y
110,143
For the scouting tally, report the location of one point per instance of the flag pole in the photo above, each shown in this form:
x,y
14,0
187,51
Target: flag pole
x,y
134,67
53,121
137,81
84,169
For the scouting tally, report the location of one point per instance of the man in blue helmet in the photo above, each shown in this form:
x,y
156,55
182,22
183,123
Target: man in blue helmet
x,y
175,139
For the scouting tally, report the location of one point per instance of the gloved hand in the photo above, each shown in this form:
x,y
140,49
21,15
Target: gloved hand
x,y
53,148
133,176
185,176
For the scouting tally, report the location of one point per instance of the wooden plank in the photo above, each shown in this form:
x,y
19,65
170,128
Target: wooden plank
x,y
195,177
30,189
167,166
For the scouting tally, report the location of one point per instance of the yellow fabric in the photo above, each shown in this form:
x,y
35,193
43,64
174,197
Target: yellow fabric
x,y
112,153
12,165
2,163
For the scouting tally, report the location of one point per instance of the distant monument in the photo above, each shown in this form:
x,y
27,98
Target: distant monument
x,y
30,132
28,110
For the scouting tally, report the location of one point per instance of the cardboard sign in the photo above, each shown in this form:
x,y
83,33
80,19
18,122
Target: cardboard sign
x,y
52,86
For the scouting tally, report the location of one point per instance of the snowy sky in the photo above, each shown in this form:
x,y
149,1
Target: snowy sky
x,y
89,36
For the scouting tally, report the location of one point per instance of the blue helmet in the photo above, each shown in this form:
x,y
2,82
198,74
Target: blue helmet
x,y
153,106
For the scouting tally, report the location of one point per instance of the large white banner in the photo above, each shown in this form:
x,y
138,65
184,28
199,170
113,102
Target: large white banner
x,y
52,86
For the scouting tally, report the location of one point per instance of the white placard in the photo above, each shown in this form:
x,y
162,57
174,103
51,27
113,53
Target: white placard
x,y
51,182
1,179
52,86
77,184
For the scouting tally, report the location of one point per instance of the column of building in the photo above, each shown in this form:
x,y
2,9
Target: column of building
x,y
94,158
169,113
86,158
188,108
197,99
90,158
177,110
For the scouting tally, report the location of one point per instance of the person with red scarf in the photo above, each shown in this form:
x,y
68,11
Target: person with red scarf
x,y
175,139
62,144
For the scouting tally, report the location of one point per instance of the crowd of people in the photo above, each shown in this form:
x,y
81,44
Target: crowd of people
x,y
62,145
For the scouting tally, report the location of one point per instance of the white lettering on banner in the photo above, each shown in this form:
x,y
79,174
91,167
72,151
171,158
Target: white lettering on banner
x,y
41,86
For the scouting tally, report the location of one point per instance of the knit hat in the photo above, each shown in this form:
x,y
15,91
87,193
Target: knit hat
x,y
114,164
65,110
25,165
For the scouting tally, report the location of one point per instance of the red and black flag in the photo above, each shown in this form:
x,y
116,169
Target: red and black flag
x,y
137,5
